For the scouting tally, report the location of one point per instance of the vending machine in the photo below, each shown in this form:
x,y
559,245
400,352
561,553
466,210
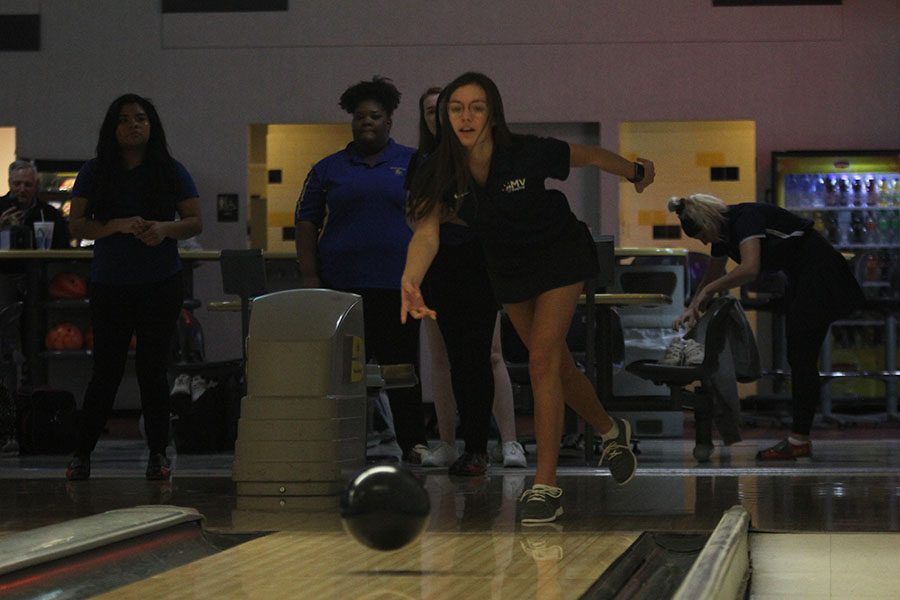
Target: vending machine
x,y
853,199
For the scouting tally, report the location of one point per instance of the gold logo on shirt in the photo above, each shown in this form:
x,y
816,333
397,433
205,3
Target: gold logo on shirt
x,y
514,185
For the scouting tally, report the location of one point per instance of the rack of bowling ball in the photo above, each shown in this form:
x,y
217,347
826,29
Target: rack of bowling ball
x,y
301,444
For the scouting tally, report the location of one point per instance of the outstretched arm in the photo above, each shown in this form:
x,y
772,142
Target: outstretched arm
x,y
421,252
582,156
717,280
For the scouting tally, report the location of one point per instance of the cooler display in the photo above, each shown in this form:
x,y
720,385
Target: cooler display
x,y
853,199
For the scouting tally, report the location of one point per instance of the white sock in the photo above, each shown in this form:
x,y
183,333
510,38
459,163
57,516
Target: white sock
x,y
797,442
612,433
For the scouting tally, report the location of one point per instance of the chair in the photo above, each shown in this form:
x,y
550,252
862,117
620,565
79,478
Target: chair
x,y
243,274
713,329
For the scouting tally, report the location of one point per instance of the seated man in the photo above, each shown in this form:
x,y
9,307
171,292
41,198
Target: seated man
x,y
21,207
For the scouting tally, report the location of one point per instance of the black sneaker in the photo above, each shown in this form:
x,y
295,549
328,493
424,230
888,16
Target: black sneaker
x,y
469,465
540,504
158,467
618,455
79,468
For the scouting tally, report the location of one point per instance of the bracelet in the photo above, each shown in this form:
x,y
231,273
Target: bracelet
x,y
638,173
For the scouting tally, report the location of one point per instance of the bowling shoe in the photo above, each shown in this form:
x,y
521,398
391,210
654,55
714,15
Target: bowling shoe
x,y
158,467
442,455
618,455
469,465
540,504
510,453
79,468
785,450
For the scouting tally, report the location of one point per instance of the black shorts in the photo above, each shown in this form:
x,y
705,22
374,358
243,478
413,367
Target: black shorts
x,y
521,272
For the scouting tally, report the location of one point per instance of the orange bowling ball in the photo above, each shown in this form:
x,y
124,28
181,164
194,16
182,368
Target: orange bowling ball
x,y
64,336
67,285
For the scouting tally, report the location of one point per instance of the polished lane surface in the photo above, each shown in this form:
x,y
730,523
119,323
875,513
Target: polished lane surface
x,y
851,486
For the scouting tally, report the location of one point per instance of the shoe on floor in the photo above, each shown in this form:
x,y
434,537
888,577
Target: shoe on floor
x,y
512,454
181,386
618,455
158,467
79,468
540,504
469,465
10,447
442,455
416,454
785,450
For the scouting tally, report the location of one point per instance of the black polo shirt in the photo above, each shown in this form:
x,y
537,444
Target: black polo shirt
x,y
780,233
514,208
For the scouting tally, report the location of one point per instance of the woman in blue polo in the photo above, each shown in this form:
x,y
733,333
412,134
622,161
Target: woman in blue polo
x,y
127,200
538,255
352,234
820,288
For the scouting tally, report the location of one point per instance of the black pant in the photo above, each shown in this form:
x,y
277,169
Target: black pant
x,y
820,290
149,311
458,289
390,342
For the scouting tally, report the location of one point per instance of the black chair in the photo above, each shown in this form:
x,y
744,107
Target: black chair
x,y
243,274
677,377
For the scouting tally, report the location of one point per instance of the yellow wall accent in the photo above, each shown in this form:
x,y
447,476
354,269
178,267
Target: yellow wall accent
x,y
710,159
652,217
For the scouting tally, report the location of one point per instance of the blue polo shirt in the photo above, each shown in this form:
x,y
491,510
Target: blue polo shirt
x,y
361,212
120,258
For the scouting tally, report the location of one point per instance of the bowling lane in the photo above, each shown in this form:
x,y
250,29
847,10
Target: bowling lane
x,y
543,562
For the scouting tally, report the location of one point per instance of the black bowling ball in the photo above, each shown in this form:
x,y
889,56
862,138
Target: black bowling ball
x,y
385,507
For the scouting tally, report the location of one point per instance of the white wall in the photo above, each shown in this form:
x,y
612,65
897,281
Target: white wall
x,y
810,77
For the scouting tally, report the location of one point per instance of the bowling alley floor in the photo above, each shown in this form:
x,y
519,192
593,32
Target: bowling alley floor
x,y
474,548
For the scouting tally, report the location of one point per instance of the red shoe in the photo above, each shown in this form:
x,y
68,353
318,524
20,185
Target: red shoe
x,y
785,450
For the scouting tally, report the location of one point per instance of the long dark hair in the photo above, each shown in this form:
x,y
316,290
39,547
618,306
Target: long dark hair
x,y
158,203
448,171
427,140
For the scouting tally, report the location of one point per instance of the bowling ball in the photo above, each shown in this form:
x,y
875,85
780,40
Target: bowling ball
x,y
385,507
64,336
67,285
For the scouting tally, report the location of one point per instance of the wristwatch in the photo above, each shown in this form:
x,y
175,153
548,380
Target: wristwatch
x,y
638,173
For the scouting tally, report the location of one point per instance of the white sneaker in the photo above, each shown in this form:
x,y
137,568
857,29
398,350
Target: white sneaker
x,y
693,352
10,447
199,386
182,385
442,455
674,353
514,455
416,454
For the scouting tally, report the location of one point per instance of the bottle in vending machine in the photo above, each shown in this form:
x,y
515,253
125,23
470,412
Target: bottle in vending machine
x,y
828,184
857,229
871,224
856,192
832,228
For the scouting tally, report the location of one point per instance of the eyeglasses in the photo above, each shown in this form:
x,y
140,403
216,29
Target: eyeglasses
x,y
477,108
